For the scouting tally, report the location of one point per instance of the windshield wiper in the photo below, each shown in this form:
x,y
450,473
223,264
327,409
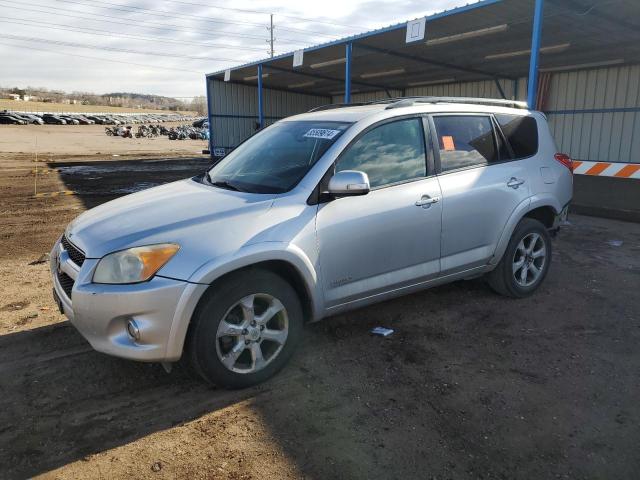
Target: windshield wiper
x,y
224,184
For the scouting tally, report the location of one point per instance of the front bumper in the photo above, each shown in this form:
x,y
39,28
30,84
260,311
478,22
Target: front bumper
x,y
101,312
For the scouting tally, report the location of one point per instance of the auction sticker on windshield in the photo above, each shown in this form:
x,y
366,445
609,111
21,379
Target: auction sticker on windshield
x,y
324,133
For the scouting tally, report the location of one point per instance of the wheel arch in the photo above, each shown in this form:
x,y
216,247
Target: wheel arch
x,y
545,215
543,208
289,264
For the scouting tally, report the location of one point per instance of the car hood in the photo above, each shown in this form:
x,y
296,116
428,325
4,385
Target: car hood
x,y
204,220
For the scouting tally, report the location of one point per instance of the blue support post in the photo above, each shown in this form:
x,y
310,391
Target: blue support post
x,y
535,54
260,105
210,113
347,74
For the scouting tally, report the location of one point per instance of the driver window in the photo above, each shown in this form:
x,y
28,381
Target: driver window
x,y
391,153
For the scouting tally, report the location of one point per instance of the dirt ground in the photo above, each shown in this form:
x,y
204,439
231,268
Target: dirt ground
x,y
470,385
54,140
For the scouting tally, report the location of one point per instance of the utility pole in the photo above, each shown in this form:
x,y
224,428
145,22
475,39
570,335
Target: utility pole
x,y
271,36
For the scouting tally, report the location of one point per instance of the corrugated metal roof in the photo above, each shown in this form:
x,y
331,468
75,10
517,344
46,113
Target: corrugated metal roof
x,y
575,33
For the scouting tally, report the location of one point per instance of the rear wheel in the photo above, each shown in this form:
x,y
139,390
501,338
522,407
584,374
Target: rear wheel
x,y
525,262
245,330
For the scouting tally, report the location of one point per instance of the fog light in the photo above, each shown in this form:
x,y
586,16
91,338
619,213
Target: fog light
x,y
133,330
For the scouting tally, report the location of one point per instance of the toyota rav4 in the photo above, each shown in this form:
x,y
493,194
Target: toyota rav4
x,y
317,214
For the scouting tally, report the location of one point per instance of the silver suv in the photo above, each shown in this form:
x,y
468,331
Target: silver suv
x,y
317,214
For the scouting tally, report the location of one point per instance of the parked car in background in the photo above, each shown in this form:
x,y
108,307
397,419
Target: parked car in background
x,y
70,120
51,119
97,119
28,119
6,119
33,119
84,120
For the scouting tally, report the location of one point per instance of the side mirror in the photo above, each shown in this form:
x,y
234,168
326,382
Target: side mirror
x,y
349,183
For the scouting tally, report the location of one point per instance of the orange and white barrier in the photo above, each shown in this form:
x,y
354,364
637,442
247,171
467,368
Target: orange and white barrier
x,y
607,169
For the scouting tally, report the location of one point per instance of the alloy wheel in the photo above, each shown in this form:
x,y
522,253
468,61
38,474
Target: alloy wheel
x,y
252,333
529,259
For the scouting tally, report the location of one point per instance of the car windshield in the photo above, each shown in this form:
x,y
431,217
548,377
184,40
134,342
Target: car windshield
x,y
277,158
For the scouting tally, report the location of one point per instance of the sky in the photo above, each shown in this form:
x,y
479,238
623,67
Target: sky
x,y
165,47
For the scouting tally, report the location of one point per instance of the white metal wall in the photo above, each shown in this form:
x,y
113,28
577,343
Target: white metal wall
x,y
481,89
234,109
595,115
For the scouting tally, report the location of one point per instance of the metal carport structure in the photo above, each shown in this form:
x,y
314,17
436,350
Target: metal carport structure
x,y
492,48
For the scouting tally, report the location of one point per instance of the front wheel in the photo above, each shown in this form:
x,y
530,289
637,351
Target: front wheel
x,y
245,330
525,262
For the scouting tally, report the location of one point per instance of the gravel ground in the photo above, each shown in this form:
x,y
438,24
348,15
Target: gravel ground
x,y
470,385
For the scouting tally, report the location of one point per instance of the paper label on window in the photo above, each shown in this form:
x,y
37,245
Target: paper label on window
x,y
323,133
447,143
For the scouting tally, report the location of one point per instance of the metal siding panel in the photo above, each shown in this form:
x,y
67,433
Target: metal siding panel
x,y
572,82
598,102
237,99
522,89
630,119
587,125
634,152
620,96
607,118
562,104
578,120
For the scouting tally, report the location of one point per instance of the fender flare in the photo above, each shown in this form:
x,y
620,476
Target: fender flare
x,y
206,274
524,207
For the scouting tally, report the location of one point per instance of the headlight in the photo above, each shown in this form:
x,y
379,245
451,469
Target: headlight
x,y
134,265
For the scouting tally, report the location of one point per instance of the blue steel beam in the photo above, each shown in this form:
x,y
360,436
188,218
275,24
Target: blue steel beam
x,y
260,102
536,38
347,73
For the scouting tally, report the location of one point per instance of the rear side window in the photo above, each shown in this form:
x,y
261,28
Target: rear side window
x,y
390,153
465,141
521,133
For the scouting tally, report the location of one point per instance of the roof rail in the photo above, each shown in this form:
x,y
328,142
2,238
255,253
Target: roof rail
x,y
409,101
400,102
331,106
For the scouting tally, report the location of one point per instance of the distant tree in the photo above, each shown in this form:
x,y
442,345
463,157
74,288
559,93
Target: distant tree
x,y
199,104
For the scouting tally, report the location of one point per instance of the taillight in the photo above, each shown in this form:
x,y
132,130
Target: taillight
x,y
565,160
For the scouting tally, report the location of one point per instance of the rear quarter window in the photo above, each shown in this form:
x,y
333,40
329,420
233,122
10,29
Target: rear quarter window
x,y
521,132
465,141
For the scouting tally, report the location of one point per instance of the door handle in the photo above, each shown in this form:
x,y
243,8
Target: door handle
x,y
515,183
426,201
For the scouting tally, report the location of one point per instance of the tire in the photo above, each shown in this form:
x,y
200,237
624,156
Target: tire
x,y
207,346
506,279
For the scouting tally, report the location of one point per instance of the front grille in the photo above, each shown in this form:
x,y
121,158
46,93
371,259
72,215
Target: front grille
x,y
66,282
75,254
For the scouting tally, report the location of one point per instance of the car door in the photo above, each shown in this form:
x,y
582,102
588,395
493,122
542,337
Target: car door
x,y
389,238
481,186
